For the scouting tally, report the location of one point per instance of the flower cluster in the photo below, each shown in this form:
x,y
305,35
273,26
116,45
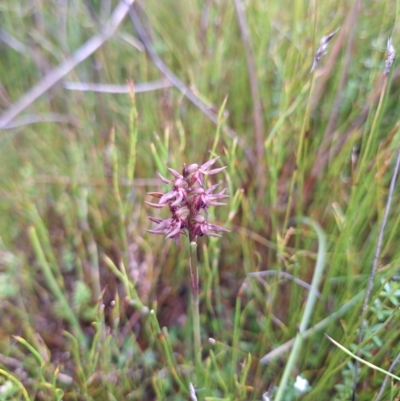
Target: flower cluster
x,y
186,200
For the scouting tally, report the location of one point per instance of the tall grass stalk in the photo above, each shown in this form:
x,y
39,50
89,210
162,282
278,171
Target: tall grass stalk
x,y
54,286
168,352
195,304
373,132
309,308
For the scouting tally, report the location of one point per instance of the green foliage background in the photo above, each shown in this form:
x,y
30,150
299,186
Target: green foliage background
x,y
93,307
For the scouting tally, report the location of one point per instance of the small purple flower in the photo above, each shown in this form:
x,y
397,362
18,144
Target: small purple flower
x,y
186,200
202,227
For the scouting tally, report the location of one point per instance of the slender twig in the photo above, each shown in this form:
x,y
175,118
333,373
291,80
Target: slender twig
x,y
384,383
68,65
255,94
12,42
375,263
288,276
175,81
28,119
111,88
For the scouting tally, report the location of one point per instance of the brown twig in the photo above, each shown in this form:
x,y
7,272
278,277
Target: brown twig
x,y
68,65
385,381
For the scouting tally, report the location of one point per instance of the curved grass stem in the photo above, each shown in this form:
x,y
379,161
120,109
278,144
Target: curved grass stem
x,y
309,308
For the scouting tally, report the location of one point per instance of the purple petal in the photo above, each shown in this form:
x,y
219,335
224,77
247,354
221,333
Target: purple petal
x,y
164,180
212,203
154,219
164,225
156,205
215,171
179,199
197,191
156,232
214,227
175,231
211,189
155,194
208,164
167,197
174,173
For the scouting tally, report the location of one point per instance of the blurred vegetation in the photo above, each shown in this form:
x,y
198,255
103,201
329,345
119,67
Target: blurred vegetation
x,y
95,308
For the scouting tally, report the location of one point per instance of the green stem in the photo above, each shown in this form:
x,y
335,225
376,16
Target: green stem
x,y
165,342
54,287
308,310
194,280
298,175
13,379
373,130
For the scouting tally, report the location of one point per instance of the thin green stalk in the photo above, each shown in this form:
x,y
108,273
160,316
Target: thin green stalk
x,y
194,277
32,350
311,299
81,373
129,286
53,285
163,336
13,379
372,130
304,127
217,376
363,360
43,234
236,323
219,125
245,372
236,336
298,173
117,194
133,134
133,137
289,204
83,212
